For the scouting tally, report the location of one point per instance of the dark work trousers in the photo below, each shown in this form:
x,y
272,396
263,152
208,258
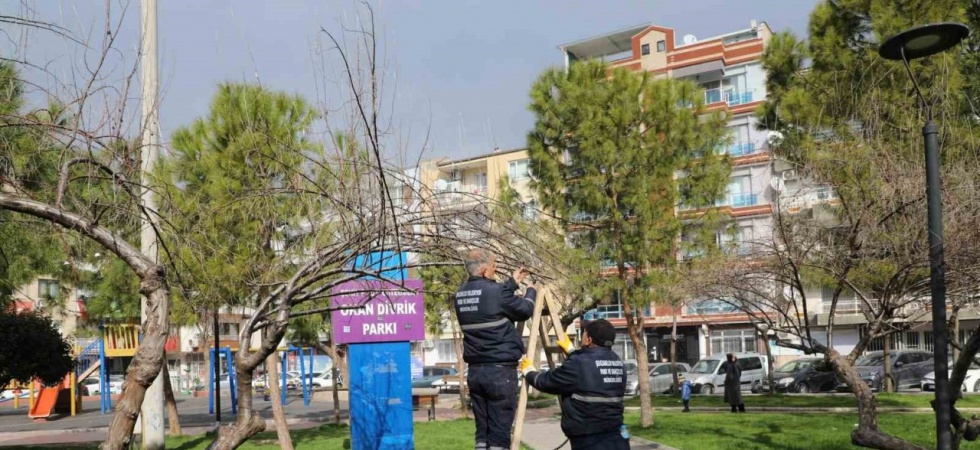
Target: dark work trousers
x,y
493,391
603,441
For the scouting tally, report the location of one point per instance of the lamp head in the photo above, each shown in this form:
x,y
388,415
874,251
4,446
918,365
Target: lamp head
x,y
922,41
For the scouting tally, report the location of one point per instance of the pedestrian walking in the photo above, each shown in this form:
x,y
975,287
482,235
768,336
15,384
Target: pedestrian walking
x,y
733,384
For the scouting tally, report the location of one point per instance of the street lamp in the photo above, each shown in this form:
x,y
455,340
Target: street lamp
x,y
921,42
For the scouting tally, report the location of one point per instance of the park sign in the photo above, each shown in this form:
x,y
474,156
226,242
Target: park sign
x,y
378,311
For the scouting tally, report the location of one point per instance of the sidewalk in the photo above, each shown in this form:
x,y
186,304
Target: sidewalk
x,y
545,434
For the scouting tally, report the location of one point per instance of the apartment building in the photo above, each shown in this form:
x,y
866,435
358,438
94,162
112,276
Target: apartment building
x,y
461,186
729,69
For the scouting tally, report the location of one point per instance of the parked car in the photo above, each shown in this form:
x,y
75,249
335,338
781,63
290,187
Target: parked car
x,y
9,395
431,374
908,369
660,378
970,384
803,375
93,386
322,379
708,375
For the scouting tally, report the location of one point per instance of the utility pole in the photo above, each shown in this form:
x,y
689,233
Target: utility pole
x,y
151,412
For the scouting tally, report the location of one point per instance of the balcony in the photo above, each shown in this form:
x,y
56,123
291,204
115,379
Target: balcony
x,y
742,149
457,193
731,97
742,200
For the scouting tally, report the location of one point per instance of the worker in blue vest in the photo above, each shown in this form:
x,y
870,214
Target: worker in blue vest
x,y
486,311
591,383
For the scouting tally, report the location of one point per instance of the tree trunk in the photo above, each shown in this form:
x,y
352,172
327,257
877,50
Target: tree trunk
x,y
769,363
168,395
674,387
458,345
886,383
867,434
331,351
247,423
963,428
634,326
148,363
278,414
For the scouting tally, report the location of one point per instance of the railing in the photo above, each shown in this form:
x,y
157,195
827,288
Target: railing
x,y
733,200
121,337
460,193
731,97
738,98
742,149
742,200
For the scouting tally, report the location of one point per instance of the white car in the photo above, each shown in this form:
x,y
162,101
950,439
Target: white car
x,y
322,379
9,395
970,384
93,385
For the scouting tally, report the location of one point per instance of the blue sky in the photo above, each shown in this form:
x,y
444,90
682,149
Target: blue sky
x,y
457,71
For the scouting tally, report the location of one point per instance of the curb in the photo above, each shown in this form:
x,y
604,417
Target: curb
x,y
837,409
188,430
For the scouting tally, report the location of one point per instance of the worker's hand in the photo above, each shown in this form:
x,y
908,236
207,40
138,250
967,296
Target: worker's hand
x,y
520,274
525,366
566,345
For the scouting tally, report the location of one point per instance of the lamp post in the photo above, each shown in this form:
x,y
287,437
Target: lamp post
x,y
915,43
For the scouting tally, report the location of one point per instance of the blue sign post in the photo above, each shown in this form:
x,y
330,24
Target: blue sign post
x,y
379,354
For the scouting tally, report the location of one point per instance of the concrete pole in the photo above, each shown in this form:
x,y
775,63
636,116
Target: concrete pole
x,y
152,415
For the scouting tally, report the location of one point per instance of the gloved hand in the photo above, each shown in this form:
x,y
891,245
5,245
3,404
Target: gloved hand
x,y
566,345
525,366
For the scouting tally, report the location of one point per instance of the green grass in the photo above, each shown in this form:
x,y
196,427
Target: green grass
x,y
812,401
444,435
705,431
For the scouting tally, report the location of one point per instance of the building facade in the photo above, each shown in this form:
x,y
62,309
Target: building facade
x,y
729,69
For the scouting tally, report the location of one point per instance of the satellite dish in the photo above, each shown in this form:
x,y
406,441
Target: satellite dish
x,y
690,39
441,185
777,184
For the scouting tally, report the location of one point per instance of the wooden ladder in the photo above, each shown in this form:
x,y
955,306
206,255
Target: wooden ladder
x,y
542,324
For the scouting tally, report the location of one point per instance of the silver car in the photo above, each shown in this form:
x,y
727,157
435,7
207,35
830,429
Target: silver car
x,y
660,378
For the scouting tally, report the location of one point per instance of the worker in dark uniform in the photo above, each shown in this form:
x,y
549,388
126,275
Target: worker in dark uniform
x,y
591,383
486,311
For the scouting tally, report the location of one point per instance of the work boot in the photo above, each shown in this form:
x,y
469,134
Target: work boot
x,y
741,407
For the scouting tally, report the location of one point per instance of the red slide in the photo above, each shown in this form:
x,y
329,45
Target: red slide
x,y
44,403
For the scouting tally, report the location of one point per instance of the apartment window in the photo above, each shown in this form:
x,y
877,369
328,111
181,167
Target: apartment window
x,y
661,46
531,211
645,49
228,330
740,192
733,341
520,169
446,351
48,289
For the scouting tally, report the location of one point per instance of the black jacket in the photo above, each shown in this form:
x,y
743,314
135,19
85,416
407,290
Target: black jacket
x,y
591,383
486,311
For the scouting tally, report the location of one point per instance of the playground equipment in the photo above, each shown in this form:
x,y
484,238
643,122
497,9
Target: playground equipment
x,y
61,397
306,379
224,352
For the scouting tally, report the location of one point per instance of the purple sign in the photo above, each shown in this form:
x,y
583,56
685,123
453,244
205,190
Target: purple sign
x,y
379,311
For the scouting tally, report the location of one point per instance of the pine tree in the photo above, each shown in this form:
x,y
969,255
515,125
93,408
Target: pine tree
x,y
614,154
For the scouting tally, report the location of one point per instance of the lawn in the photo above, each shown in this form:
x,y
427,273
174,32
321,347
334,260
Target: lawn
x,y
910,400
444,435
705,431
